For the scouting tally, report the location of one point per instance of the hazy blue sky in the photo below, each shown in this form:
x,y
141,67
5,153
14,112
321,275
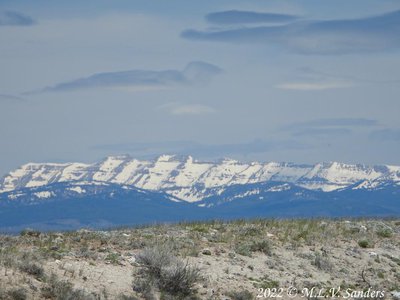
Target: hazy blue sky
x,y
300,81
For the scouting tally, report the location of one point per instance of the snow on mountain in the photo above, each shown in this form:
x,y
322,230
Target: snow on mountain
x,y
332,176
382,182
45,194
192,180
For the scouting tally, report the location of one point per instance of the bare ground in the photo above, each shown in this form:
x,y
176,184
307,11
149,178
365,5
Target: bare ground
x,y
236,260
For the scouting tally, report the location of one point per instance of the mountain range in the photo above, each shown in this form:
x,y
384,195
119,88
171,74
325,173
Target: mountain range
x,y
121,190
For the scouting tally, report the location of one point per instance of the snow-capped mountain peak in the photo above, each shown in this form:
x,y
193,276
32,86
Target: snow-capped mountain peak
x,y
191,180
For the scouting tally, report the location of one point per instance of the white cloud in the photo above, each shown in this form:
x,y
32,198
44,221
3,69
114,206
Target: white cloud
x,y
325,37
313,86
192,110
175,108
141,80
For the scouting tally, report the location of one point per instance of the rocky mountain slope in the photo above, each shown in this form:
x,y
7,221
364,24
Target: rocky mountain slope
x,y
192,180
73,205
122,191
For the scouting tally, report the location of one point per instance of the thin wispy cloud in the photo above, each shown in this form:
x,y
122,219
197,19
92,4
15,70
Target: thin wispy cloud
x,y
386,134
194,109
307,79
141,80
247,17
12,98
313,86
333,122
256,146
201,150
13,18
308,72
321,132
144,148
341,36
187,109
328,127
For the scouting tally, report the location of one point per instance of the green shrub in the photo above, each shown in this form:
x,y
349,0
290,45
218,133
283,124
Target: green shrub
x,y
247,248
113,258
166,272
365,244
63,290
322,262
155,258
125,297
261,246
267,284
242,295
243,249
16,294
202,228
385,233
250,230
30,232
178,278
32,269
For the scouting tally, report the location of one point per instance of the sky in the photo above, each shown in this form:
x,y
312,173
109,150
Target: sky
x,y
279,80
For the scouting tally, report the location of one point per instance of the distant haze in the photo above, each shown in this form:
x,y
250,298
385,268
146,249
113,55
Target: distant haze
x,y
281,80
